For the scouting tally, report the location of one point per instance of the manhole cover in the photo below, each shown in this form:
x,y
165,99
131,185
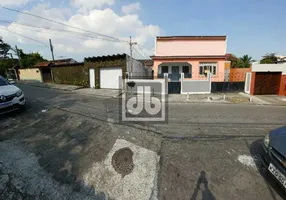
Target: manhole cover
x,y
122,161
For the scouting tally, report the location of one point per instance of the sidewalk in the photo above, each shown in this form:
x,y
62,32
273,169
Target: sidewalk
x,y
266,99
50,85
99,92
229,98
207,98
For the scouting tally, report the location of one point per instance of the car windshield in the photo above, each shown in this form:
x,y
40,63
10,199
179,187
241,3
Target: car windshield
x,y
3,81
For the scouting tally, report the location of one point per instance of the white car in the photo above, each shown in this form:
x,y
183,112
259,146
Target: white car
x,y
11,97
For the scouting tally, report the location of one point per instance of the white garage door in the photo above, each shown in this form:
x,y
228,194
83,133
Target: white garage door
x,y
109,77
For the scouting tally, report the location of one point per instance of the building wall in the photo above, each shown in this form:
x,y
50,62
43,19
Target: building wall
x,y
71,75
282,89
269,68
138,69
190,47
30,74
238,74
220,76
120,62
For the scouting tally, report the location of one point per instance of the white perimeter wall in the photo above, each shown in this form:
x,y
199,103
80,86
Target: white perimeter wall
x,y
269,68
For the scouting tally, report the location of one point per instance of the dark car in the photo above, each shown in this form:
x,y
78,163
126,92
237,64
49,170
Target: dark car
x,y
274,155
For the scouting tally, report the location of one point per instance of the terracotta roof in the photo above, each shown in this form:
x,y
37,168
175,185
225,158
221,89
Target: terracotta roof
x,y
184,57
147,62
43,64
65,61
191,37
68,61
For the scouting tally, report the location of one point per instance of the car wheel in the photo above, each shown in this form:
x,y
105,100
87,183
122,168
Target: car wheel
x,y
22,108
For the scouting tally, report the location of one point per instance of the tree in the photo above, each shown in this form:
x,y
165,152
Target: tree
x,y
4,49
243,62
269,58
30,59
246,61
5,62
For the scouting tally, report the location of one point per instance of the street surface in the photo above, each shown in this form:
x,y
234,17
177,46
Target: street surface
x,y
207,151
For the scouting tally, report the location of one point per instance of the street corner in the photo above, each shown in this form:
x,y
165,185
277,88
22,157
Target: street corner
x,y
128,172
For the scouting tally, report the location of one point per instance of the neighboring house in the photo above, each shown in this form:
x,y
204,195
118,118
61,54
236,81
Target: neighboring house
x,y
105,71
281,59
267,79
147,62
195,56
42,71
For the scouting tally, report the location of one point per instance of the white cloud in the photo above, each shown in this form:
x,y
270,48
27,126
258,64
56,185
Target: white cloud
x,y
131,8
81,44
13,2
90,4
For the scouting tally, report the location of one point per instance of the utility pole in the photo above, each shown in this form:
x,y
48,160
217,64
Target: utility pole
x,y
52,50
131,49
19,57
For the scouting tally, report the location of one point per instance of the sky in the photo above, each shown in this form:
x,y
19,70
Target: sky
x,y
253,27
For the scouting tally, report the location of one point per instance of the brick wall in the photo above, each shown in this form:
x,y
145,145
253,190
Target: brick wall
x,y
238,74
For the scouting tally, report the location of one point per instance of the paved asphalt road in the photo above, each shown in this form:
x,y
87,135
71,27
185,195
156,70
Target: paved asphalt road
x,y
205,149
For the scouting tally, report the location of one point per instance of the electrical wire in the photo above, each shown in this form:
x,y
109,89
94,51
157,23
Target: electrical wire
x,y
57,30
63,24
25,36
140,55
139,46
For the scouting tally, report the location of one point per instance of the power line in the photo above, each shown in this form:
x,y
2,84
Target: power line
x,y
47,32
139,46
25,36
140,56
63,24
57,30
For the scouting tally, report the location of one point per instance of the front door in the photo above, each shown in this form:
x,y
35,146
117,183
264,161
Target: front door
x,y
175,73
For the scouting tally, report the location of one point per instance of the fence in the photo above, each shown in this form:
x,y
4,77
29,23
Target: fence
x,y
159,86
238,74
140,75
227,87
196,86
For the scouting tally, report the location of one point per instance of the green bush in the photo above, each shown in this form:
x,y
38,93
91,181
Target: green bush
x,y
71,75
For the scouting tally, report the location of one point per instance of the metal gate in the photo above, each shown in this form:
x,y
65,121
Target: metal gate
x,y
247,83
47,75
174,87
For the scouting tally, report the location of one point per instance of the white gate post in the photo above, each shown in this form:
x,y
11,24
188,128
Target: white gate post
x,y
209,78
247,83
166,80
182,80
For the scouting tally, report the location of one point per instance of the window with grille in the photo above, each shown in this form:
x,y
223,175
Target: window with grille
x,y
187,70
208,67
165,69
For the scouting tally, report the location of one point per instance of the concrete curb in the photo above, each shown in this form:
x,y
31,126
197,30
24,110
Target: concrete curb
x,y
255,99
48,86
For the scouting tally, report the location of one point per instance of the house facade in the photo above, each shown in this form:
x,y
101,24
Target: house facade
x,y
195,56
105,71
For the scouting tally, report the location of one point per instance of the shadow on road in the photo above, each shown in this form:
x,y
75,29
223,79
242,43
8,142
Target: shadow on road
x,y
256,151
66,145
206,193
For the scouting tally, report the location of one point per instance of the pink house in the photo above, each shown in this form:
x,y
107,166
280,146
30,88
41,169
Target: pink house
x,y
195,56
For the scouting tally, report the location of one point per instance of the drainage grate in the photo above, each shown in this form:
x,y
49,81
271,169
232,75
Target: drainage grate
x,y
122,161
